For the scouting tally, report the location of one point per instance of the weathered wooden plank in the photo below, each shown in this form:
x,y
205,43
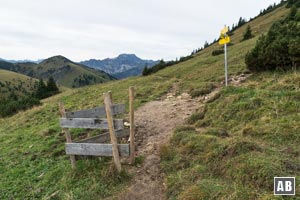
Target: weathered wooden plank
x,y
105,137
89,149
91,123
62,112
98,112
132,126
111,126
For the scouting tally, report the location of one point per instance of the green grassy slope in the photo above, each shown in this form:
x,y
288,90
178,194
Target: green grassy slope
x,y
249,135
33,163
19,83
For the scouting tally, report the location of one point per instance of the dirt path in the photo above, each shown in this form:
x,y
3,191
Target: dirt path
x,y
155,122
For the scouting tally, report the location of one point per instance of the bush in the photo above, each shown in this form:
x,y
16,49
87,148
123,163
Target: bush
x,y
279,49
217,52
9,106
291,3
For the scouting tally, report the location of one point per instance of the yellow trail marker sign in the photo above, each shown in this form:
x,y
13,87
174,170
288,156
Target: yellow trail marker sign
x,y
224,30
224,40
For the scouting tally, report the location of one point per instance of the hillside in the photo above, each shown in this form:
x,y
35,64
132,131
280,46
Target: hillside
x,y
32,146
123,66
65,72
234,146
15,82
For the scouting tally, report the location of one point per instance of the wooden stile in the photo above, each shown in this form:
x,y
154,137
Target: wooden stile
x,y
92,119
67,133
96,149
113,138
132,126
91,123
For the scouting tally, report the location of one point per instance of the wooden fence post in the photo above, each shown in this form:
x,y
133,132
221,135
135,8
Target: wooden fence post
x,y
113,138
62,112
110,96
132,126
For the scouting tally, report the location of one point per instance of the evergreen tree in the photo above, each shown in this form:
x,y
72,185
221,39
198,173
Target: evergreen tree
x,y
41,90
206,44
241,22
51,85
145,70
248,34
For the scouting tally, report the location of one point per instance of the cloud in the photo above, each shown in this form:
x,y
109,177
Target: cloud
x,y
87,29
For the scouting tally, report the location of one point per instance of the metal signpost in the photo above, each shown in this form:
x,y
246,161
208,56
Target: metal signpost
x,y
224,39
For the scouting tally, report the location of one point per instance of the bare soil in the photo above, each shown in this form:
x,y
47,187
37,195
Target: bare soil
x,y
155,123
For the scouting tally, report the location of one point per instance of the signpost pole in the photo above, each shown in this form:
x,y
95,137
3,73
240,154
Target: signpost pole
x,y
226,76
224,39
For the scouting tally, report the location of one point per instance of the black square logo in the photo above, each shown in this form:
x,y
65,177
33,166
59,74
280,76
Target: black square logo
x,y
284,185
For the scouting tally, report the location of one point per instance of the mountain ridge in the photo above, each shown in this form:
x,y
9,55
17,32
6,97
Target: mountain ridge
x,y
64,71
122,66
22,61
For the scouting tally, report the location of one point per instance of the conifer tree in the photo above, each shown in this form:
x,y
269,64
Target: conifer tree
x,y
41,90
248,34
51,85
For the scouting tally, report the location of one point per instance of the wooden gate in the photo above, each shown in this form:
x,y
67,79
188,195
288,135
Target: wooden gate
x,y
100,118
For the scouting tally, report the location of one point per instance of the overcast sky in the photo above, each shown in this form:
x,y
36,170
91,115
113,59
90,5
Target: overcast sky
x,y
84,29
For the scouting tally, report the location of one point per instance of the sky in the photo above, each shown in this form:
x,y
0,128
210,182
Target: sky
x,y
85,29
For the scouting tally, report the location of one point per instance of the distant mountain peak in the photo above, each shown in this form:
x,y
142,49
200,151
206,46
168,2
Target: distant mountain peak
x,y
125,55
122,66
56,58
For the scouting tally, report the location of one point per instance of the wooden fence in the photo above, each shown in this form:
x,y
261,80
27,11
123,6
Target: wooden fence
x,y
100,118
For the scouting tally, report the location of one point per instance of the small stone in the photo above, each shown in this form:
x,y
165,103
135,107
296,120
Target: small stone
x,y
126,124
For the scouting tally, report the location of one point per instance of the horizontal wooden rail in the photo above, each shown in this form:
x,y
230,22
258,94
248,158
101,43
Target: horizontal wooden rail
x,y
91,123
98,112
90,149
104,137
